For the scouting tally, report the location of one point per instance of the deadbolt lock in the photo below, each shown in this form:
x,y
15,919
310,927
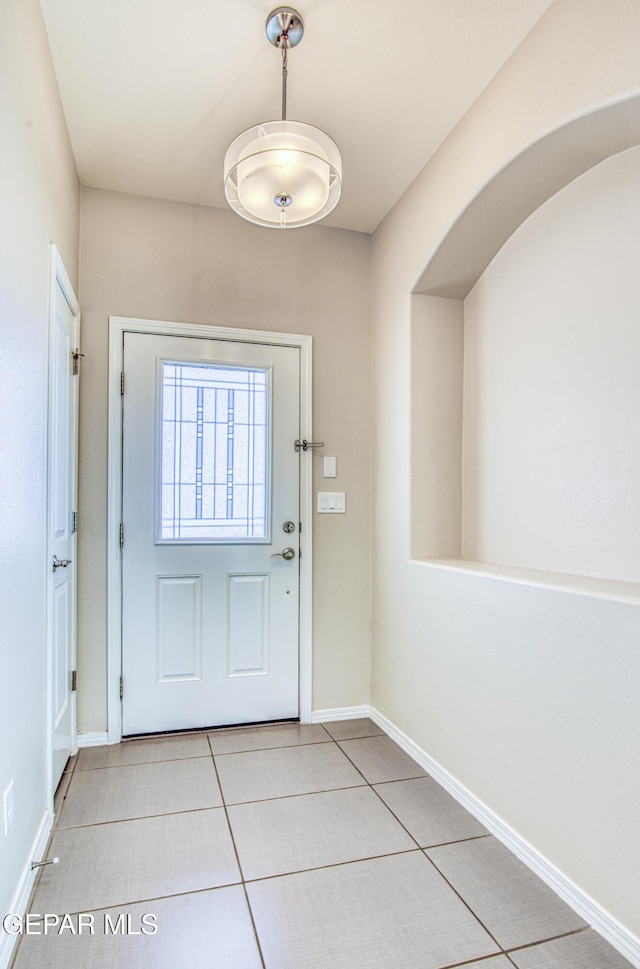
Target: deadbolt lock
x,y
288,527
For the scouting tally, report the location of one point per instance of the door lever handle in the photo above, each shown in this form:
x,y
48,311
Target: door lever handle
x,y
286,553
60,563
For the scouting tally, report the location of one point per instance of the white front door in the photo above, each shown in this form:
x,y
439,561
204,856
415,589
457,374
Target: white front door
x,y
210,497
62,464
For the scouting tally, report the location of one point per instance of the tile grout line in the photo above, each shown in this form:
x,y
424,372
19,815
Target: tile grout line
x,y
491,936
306,794
333,864
503,950
174,760
425,855
141,763
371,787
153,898
285,797
459,841
214,807
403,780
206,733
365,784
466,904
223,753
236,884
245,881
235,849
218,807
201,891
138,817
473,962
259,750
507,950
395,816
67,827
423,850
551,938
57,815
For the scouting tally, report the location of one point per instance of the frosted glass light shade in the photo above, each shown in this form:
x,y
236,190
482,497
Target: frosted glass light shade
x,y
283,173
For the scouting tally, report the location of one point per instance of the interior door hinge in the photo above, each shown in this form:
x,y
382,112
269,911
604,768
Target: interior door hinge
x,y
74,681
122,384
121,687
73,522
121,535
75,361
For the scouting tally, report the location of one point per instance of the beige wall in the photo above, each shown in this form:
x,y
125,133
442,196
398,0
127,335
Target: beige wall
x,y
39,201
525,695
170,261
437,354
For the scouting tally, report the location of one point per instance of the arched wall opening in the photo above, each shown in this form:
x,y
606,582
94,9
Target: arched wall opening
x,y
525,406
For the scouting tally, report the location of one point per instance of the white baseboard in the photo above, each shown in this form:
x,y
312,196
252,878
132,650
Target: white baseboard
x,y
627,944
92,739
340,713
25,885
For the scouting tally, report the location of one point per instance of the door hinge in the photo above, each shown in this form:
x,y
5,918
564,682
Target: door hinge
x,y
121,535
121,687
74,681
75,361
122,384
73,523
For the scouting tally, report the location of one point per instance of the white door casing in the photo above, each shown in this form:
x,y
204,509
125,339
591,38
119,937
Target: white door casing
x,y
196,580
64,332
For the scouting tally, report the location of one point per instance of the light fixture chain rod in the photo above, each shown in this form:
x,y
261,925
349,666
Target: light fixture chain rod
x,y
284,78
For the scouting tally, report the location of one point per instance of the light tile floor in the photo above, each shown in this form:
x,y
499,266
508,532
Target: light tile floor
x,y
286,847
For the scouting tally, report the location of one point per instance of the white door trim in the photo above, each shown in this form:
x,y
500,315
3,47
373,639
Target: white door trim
x,y
58,277
118,326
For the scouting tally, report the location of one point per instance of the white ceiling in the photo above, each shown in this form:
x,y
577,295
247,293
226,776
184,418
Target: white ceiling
x,y
155,90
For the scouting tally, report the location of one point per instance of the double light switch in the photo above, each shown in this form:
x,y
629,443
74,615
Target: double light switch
x,y
331,503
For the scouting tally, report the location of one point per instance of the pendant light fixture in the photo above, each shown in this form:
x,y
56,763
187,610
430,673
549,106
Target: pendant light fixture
x,y
283,174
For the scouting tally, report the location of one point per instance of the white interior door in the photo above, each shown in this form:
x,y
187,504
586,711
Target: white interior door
x,y
210,485
62,463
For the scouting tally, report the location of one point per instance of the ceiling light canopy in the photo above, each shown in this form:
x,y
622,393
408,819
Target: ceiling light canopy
x,y
283,174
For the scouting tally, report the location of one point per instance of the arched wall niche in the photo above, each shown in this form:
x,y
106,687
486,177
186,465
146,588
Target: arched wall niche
x,y
441,402
478,233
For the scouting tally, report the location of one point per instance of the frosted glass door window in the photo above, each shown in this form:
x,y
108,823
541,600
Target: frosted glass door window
x,y
214,453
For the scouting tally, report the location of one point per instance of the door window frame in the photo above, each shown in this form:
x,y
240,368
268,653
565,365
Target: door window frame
x,y
266,538
118,326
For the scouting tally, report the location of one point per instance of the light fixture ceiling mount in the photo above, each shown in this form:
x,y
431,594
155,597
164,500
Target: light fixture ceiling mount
x,y
284,27
283,173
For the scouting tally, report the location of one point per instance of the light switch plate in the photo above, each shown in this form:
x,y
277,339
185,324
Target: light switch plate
x,y
329,467
331,502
